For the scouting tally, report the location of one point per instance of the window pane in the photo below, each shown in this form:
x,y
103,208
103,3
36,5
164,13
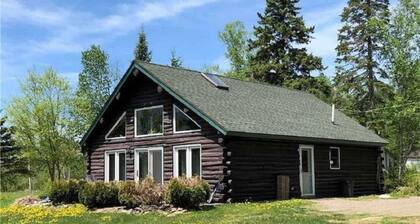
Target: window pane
x,y
149,121
334,158
118,130
143,165
121,166
182,162
183,123
195,156
157,165
111,169
305,157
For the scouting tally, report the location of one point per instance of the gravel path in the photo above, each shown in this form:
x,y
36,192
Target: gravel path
x,y
400,207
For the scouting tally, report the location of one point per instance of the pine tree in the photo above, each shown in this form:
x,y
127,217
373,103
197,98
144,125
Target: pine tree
x,y
175,60
277,45
358,66
142,52
95,83
11,161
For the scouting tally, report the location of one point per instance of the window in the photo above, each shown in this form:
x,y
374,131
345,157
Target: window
x,y
118,129
149,121
187,160
334,158
149,162
115,165
182,122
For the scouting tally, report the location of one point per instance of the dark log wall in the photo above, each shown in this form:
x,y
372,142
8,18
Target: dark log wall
x,y
254,165
141,92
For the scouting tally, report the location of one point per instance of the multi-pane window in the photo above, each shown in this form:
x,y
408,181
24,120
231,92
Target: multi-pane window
x,y
149,121
149,162
115,165
187,160
118,129
182,122
334,158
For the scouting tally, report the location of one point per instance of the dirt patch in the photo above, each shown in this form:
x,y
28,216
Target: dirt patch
x,y
400,207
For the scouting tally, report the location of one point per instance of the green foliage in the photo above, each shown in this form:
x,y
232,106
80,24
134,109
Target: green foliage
x,y
145,192
401,114
235,37
95,81
187,192
13,165
65,191
99,194
410,185
40,117
320,86
277,46
358,84
142,52
175,61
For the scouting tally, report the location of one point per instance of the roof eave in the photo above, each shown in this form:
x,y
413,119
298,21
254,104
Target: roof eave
x,y
305,139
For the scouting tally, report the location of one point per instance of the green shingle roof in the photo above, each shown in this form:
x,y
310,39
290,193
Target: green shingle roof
x,y
260,110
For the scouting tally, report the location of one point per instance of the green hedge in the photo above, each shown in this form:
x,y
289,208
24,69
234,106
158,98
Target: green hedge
x,y
66,192
99,195
187,192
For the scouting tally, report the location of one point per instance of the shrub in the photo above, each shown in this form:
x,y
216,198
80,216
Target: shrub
x,y
411,185
99,194
187,192
146,192
65,191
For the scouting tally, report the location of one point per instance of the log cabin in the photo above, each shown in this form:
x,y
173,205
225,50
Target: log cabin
x,y
253,139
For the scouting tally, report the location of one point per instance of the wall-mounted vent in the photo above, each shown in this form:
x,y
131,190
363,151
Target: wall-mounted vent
x,y
215,80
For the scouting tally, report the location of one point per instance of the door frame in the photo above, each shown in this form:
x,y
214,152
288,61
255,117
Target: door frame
x,y
311,147
149,163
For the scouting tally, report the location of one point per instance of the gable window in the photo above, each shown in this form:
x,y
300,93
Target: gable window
x,y
149,162
334,158
148,121
115,165
118,129
187,161
182,122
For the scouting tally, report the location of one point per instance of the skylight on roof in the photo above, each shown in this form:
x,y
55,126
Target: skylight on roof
x,y
215,80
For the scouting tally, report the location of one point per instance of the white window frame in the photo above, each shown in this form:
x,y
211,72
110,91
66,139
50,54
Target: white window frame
x,y
188,158
117,164
339,158
174,107
313,169
148,108
149,161
116,123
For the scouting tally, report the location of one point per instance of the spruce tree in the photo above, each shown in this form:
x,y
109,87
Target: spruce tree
x,y
175,60
279,37
359,70
142,52
11,161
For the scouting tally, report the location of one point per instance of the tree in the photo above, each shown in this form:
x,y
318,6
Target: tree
x,y
95,82
235,37
142,52
402,60
358,66
12,162
40,118
175,61
279,54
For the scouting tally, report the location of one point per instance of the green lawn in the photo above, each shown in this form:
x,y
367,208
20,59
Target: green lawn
x,y
7,198
291,211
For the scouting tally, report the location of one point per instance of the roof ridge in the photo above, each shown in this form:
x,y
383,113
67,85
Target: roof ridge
x,y
237,79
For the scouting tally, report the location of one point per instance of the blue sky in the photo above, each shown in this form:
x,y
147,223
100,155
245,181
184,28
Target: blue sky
x,y
39,34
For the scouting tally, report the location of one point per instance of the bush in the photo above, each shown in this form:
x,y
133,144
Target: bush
x,y
187,192
411,185
146,192
65,191
99,194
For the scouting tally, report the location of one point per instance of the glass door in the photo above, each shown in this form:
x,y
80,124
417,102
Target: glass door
x,y
307,177
149,162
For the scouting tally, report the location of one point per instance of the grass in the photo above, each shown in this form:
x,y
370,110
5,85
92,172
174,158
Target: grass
x,y
291,211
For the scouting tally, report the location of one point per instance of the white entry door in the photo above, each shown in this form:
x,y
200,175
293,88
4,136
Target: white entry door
x,y
149,162
307,174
